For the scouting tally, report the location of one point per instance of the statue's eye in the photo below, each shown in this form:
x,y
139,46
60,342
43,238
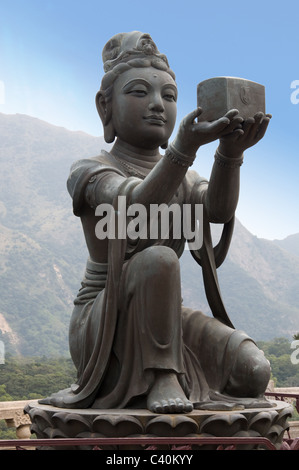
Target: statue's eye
x,y
137,90
170,97
170,94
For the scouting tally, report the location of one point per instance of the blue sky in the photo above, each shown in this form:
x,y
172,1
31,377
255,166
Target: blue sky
x,y
50,68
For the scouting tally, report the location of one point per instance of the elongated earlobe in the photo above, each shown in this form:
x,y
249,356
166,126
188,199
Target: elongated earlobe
x,y
109,133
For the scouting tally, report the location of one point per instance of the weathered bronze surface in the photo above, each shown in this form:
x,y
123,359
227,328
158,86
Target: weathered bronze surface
x,y
133,342
220,94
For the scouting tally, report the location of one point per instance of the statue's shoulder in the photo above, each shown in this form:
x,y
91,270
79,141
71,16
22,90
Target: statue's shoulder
x,y
104,159
82,172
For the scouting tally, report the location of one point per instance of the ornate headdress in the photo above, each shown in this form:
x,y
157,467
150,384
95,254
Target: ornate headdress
x,y
124,47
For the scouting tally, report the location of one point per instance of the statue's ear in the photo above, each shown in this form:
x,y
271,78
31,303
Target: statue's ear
x,y
101,107
104,110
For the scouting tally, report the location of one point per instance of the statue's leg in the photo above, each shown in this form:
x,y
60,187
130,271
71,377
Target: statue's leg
x,y
152,282
250,373
231,361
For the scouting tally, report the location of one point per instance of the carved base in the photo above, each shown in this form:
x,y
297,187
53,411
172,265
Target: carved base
x,y
49,422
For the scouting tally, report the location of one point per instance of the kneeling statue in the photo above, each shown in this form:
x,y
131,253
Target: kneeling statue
x,y
133,342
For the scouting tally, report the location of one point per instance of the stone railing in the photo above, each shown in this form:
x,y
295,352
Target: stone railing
x,y
13,414
290,395
287,394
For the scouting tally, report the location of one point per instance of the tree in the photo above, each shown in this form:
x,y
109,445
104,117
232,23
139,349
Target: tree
x,y
283,371
4,396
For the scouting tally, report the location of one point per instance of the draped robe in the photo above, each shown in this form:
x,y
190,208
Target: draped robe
x,y
110,326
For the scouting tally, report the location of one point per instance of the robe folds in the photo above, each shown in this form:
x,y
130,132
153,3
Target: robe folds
x,y
112,342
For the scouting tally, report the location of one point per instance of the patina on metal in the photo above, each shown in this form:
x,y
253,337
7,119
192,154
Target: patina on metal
x,y
218,95
133,342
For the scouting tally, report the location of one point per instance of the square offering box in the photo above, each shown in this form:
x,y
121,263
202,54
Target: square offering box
x,y
216,96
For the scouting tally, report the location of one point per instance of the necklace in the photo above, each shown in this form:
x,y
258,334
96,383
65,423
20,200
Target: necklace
x,y
130,169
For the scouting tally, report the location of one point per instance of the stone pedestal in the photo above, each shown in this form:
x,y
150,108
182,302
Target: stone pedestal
x,y
49,422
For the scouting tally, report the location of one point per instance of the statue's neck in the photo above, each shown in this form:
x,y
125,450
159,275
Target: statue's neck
x,y
139,157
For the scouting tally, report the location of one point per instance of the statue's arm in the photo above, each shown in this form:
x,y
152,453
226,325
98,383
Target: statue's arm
x,y
221,195
158,187
162,182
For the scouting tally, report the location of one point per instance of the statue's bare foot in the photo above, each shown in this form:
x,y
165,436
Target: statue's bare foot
x,y
167,396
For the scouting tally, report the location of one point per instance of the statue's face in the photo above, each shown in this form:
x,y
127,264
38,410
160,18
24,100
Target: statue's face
x,y
144,107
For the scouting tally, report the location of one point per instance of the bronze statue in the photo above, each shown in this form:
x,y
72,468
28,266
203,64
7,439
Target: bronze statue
x,y
132,341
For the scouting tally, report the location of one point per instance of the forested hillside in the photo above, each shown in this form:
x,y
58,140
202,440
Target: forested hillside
x,y
42,254
259,282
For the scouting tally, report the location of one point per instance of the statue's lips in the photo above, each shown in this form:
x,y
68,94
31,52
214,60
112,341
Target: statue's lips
x,y
155,119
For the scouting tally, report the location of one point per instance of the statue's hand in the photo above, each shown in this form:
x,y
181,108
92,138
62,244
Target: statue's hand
x,y
233,144
193,133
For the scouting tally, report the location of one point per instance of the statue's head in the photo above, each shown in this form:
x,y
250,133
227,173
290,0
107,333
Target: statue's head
x,y
136,75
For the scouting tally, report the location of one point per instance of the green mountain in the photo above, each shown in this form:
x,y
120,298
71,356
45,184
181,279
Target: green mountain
x,y
259,282
43,254
42,250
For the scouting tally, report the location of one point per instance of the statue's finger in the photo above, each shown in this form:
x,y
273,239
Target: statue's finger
x,y
190,118
232,113
263,127
219,125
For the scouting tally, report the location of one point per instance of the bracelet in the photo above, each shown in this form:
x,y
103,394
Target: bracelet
x,y
228,162
177,157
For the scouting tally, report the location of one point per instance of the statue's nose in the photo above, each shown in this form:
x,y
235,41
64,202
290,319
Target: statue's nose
x,y
156,103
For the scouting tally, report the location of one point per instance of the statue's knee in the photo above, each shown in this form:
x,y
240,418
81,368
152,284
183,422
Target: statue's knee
x,y
156,271
158,260
251,372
